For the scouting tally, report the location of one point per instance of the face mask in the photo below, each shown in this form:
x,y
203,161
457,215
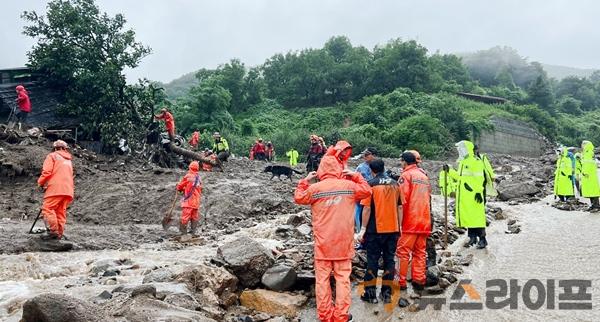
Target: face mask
x,y
462,150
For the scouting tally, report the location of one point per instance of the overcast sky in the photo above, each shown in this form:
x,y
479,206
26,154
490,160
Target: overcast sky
x,y
186,35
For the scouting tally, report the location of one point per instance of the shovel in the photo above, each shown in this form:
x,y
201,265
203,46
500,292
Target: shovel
x,y
168,218
35,221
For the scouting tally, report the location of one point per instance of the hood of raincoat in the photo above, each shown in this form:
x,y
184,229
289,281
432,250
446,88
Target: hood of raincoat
x,y
64,153
338,148
587,147
465,149
194,166
20,88
329,168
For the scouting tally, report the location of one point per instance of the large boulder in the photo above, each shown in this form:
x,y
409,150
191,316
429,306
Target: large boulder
x,y
279,278
247,259
273,303
60,308
200,277
146,308
511,190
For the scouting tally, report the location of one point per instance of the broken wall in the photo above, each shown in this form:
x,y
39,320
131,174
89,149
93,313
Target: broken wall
x,y
512,137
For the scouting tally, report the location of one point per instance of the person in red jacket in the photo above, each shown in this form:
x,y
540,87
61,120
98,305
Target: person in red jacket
x,y
169,121
194,140
259,150
24,105
416,222
191,186
57,182
332,201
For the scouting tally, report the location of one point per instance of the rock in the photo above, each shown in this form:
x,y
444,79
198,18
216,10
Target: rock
x,y
102,265
61,308
185,301
444,283
273,303
510,190
466,260
449,277
143,289
304,229
110,281
200,277
51,245
278,319
111,272
434,271
434,290
295,220
305,280
143,308
106,295
161,275
511,222
284,230
247,259
260,317
279,278
403,302
413,308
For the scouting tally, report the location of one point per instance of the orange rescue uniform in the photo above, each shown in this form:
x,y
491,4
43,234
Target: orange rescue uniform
x,y
169,122
416,223
191,186
195,139
332,202
57,178
337,150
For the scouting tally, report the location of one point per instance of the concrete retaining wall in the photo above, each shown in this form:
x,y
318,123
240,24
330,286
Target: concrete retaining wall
x,y
512,137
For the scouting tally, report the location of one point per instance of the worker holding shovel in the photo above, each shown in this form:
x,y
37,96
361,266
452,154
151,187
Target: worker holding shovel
x,y
57,182
191,186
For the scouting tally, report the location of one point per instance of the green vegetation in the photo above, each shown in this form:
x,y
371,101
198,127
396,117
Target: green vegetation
x,y
395,96
82,53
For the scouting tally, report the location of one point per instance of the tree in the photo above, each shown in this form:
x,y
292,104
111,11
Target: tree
x,y
82,53
540,93
399,64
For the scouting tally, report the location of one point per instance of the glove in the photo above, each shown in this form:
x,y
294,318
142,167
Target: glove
x,y
562,174
41,189
478,198
468,187
446,168
358,238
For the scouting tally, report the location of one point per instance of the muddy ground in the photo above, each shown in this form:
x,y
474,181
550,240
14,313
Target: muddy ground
x,y
120,201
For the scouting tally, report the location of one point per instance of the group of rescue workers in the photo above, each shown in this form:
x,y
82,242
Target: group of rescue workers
x,y
392,219
262,152
392,213
577,171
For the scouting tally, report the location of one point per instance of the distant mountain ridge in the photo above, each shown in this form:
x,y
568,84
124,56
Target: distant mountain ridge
x,y
560,72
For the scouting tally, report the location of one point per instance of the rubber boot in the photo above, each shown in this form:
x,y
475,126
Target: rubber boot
x,y
482,243
472,241
369,296
194,228
48,235
183,228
